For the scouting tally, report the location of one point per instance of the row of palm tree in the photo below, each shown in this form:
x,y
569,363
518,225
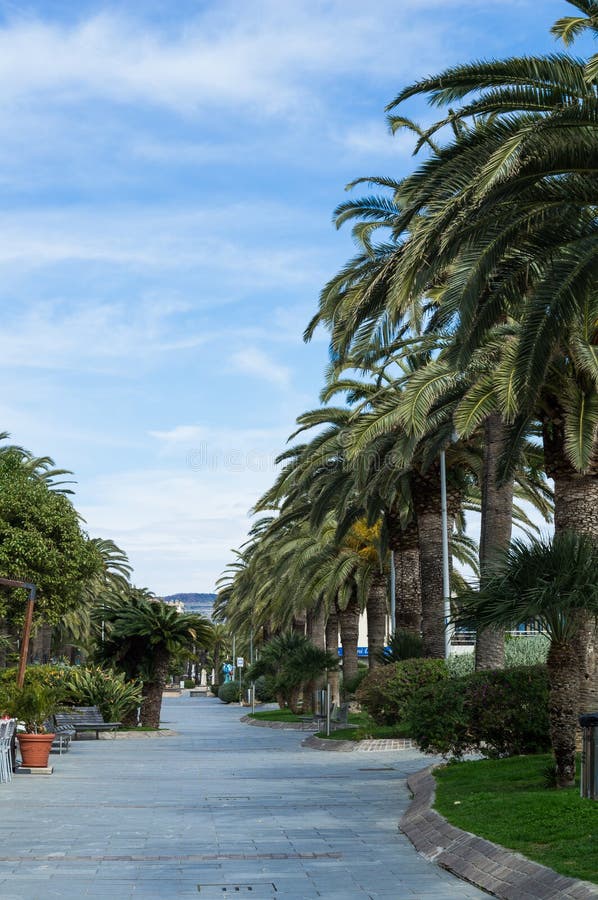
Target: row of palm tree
x,y
466,323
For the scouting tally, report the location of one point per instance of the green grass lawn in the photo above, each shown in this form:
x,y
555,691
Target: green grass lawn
x,y
365,728
506,802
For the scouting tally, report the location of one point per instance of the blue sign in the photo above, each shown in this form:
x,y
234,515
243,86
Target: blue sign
x,y
361,651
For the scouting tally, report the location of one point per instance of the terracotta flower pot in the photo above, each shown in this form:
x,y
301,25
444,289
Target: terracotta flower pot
x,y
35,749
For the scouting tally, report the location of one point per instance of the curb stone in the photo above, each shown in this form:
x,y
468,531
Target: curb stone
x,y
281,726
489,866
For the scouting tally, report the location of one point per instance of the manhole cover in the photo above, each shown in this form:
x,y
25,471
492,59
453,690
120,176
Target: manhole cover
x,y
259,889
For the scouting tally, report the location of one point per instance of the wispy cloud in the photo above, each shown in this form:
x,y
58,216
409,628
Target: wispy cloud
x,y
232,53
255,362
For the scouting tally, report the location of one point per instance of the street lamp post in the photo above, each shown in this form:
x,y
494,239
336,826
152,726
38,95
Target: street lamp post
x,y
446,578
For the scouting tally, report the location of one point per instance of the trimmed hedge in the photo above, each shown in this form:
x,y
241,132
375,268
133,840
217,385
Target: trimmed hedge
x,y
496,713
385,692
229,692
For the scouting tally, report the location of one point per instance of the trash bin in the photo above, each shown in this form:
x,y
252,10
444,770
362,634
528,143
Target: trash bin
x,y
589,756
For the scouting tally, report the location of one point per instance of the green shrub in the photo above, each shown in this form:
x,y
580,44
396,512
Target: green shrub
x,y
385,692
402,645
214,688
229,692
526,651
105,689
460,664
350,685
264,690
189,683
51,676
496,713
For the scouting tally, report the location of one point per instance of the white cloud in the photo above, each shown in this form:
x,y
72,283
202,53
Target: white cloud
x,y
372,138
91,336
259,56
178,526
255,362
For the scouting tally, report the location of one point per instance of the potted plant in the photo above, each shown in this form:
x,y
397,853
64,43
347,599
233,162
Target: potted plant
x,y
34,705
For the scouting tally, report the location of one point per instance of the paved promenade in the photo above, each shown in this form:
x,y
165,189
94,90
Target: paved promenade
x,y
220,810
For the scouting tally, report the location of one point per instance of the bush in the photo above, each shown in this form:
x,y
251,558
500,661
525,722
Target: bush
x,y
402,645
115,697
460,664
526,651
229,692
497,713
350,685
264,691
214,688
189,683
51,676
385,692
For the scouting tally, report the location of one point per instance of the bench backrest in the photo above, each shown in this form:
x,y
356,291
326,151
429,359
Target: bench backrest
x,y
89,714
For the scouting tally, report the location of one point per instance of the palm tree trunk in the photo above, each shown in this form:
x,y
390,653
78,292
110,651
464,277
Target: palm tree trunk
x,y
316,632
349,628
576,509
563,672
426,501
405,544
151,704
332,647
376,610
316,626
298,625
495,534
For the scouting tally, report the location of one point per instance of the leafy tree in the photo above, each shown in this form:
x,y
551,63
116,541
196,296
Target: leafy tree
x,y
41,541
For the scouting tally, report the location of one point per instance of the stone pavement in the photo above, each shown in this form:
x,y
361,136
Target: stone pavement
x,y
219,810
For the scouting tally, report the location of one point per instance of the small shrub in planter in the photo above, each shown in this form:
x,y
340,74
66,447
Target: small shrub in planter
x,y
189,683
229,692
385,692
497,713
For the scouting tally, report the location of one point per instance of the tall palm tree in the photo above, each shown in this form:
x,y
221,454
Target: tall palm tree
x,y
143,634
554,583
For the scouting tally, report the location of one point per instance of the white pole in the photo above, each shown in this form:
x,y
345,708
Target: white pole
x,y
446,581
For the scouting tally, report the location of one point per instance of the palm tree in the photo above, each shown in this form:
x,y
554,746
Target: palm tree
x,y
143,634
294,665
552,582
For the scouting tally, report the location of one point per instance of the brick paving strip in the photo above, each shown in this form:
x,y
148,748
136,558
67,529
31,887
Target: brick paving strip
x,y
484,864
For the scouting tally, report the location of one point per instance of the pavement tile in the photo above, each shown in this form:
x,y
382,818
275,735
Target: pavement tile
x,y
219,803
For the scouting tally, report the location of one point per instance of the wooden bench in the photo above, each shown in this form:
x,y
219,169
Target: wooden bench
x,y
85,719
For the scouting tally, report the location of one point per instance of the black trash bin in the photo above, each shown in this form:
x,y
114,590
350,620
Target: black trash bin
x,y
589,756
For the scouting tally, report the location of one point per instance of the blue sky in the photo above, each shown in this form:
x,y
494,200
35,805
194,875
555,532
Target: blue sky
x,y
167,177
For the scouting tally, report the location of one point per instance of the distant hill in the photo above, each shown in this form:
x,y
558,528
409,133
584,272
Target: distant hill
x,y
195,603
